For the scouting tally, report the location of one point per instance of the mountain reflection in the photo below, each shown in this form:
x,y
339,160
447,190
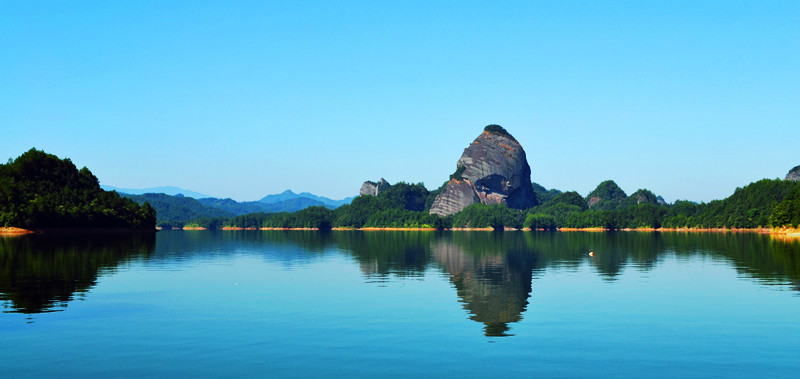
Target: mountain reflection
x,y
42,273
492,275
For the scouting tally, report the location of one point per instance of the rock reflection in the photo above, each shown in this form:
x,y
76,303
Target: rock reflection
x,y
492,277
42,273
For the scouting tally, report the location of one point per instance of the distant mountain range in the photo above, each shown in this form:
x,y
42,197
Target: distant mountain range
x,y
289,195
167,190
177,205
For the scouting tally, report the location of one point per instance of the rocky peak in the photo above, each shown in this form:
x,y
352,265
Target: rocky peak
x,y
373,189
642,196
794,174
492,170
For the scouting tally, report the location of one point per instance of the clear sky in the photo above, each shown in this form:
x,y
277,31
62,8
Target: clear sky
x,y
243,99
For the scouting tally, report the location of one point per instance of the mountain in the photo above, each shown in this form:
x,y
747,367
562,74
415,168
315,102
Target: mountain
x,y
606,196
177,210
245,207
296,204
285,195
544,194
492,170
289,195
642,196
168,190
234,207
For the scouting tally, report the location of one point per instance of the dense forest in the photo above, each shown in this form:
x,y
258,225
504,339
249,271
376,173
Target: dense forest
x,y
766,203
179,210
39,190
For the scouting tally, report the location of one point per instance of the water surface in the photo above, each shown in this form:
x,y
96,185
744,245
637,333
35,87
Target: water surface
x,y
302,304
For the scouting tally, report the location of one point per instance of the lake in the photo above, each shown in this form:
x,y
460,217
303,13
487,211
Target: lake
x,y
307,304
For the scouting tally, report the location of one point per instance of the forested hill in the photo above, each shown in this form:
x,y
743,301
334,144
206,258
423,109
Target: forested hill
x,y
39,190
178,210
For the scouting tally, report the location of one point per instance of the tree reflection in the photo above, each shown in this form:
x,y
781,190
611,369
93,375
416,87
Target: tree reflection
x,y
491,272
42,273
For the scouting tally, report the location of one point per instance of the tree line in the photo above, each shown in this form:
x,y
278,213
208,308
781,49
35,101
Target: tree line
x,y
765,203
39,190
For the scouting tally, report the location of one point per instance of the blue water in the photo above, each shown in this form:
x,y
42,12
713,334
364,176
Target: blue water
x,y
294,304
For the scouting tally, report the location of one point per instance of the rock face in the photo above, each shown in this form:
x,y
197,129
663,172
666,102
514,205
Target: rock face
x,y
372,188
492,170
794,174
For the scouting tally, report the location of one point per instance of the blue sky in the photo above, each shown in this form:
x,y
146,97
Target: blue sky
x,y
243,99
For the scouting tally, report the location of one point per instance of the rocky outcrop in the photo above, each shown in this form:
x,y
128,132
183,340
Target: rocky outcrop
x,y
492,170
794,174
458,194
372,188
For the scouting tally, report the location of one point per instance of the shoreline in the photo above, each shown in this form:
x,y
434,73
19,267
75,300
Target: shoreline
x,y
784,231
792,232
14,231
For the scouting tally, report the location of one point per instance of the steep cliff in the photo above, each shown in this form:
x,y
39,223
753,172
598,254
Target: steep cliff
x,y
794,174
492,170
372,188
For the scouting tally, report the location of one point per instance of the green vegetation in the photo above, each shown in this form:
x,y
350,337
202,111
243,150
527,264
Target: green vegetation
x,y
641,196
787,212
765,203
538,221
311,217
495,216
432,196
459,172
497,129
748,207
411,197
179,211
606,196
543,194
402,205
39,190
41,273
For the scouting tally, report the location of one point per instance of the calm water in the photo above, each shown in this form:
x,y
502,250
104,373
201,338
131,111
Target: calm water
x,y
399,304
